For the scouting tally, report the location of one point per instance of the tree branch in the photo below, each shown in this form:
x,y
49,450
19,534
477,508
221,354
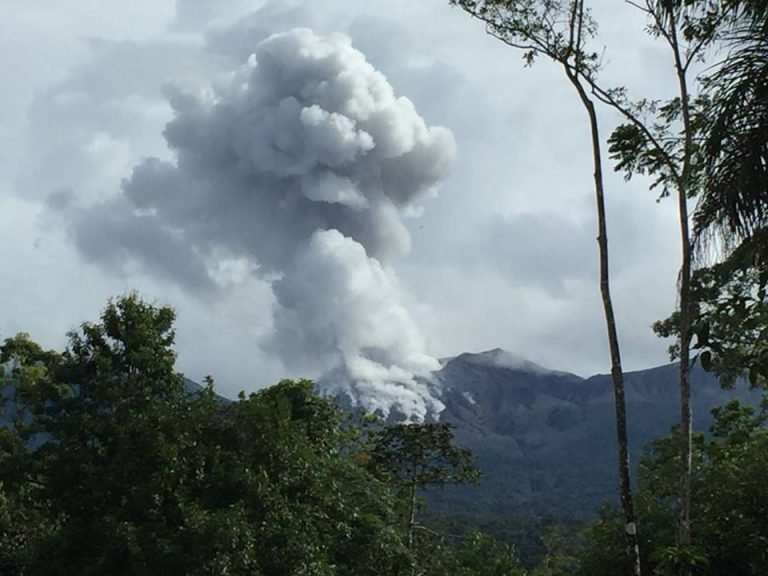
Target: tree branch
x,y
606,98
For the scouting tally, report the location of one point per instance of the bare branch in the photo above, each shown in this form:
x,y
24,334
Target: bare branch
x,y
636,5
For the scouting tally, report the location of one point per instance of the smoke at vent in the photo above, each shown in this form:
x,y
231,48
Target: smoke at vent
x,y
342,309
306,163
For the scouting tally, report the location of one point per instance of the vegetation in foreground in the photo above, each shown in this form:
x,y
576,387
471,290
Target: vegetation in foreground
x,y
110,465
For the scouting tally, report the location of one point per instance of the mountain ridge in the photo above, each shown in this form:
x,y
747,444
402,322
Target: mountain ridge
x,y
546,440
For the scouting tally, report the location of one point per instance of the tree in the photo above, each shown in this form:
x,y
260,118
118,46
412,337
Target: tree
x,y
281,458
667,140
114,424
560,30
416,456
731,321
678,144
659,140
561,544
731,217
132,473
477,554
23,521
730,503
734,200
482,555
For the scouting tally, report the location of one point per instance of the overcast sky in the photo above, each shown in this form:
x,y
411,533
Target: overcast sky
x,y
503,256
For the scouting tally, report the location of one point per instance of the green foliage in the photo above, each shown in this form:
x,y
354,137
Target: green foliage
x,y
730,319
20,351
603,554
112,466
414,456
421,455
730,498
477,554
277,456
674,560
735,135
730,218
560,560
653,142
734,496
482,555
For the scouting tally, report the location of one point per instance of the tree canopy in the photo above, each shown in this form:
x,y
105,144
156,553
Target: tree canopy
x,y
111,464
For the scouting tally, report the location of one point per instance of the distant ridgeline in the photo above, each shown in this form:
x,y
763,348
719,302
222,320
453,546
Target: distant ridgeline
x,y
546,440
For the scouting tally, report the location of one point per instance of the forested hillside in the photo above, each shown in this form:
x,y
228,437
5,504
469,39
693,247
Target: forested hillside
x,y
545,439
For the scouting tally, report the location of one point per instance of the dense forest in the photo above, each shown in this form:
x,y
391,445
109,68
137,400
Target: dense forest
x,y
111,462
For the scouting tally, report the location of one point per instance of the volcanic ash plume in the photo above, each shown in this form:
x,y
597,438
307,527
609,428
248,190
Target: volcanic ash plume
x,y
306,163
342,309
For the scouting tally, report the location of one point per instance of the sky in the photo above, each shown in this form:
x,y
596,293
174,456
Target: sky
x,y
477,232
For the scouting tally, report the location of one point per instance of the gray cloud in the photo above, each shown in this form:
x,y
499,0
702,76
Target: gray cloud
x,y
105,236
535,249
85,130
549,250
195,15
237,39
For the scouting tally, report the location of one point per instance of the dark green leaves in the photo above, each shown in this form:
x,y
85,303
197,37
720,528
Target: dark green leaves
x,y
421,454
730,499
113,467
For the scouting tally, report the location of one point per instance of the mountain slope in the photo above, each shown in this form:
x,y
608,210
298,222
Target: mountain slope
x,y
545,439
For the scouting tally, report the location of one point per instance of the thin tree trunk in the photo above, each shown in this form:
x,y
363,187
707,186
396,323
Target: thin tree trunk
x,y
617,375
686,414
412,515
540,38
411,520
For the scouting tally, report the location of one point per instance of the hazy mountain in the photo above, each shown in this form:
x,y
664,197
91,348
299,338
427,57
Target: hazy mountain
x,y
545,439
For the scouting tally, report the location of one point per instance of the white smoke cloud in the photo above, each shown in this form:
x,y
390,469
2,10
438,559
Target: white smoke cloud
x,y
342,309
305,162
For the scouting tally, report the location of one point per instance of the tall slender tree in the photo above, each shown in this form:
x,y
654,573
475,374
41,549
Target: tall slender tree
x,y
730,222
658,140
560,30
665,139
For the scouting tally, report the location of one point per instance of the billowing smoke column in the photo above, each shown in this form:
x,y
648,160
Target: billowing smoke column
x,y
342,309
306,162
